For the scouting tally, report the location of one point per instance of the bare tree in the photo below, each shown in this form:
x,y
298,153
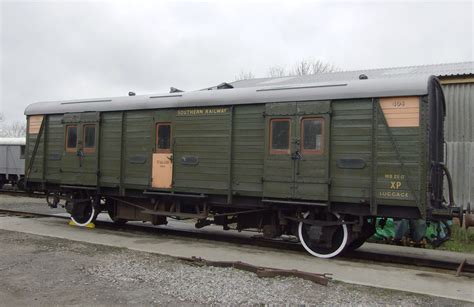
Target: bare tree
x,y
245,75
319,66
277,71
13,130
1,124
312,67
302,68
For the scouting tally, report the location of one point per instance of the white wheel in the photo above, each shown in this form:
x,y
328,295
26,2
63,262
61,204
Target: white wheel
x,y
83,215
339,240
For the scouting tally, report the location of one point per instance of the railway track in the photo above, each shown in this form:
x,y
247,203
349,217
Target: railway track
x,y
15,192
461,267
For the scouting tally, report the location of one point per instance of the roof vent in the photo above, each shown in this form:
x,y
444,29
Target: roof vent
x,y
224,85
363,77
175,90
131,94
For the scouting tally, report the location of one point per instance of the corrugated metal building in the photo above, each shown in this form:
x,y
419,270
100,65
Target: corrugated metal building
x,y
459,94
458,84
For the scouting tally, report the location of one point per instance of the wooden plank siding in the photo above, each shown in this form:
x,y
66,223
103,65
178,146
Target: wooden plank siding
x,y
55,148
203,138
138,145
351,139
248,150
351,124
110,149
36,172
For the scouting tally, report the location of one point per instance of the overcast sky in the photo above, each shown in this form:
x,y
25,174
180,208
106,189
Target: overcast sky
x,y
66,50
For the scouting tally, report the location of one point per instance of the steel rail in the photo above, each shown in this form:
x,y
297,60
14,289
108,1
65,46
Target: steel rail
x,y
14,192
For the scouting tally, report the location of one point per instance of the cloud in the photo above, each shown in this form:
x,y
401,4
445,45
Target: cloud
x,y
66,50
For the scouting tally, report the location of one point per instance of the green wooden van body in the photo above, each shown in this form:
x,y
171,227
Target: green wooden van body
x,y
223,151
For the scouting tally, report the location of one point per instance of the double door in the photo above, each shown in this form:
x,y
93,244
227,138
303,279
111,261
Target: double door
x,y
79,162
297,150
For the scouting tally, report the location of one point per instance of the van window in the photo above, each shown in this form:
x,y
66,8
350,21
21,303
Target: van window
x,y
71,138
22,151
312,135
89,138
280,136
163,137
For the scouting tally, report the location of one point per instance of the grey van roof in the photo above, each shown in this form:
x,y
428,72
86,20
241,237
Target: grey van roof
x,y
251,95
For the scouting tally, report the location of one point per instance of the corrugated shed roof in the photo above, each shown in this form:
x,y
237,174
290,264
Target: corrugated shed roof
x,y
440,70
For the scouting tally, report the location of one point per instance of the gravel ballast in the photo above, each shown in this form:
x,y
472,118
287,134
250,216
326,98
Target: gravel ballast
x,y
45,271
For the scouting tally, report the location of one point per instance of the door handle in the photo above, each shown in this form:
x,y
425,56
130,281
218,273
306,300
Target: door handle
x,y
80,155
296,155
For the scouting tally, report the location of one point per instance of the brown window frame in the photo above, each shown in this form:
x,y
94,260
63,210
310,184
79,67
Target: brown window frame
x,y
270,143
84,148
312,151
66,136
157,125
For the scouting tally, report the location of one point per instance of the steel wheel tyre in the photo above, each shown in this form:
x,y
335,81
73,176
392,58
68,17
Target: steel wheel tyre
x,y
84,215
321,253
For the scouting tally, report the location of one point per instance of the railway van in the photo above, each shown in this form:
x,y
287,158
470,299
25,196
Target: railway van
x,y
317,161
12,161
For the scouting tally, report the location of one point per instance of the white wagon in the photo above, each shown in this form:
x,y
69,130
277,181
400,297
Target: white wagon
x,y
12,160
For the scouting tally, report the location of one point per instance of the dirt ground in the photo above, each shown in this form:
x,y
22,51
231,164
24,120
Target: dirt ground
x,y
36,270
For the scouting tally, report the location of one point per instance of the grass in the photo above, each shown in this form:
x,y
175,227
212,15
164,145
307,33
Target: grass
x,y
462,240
